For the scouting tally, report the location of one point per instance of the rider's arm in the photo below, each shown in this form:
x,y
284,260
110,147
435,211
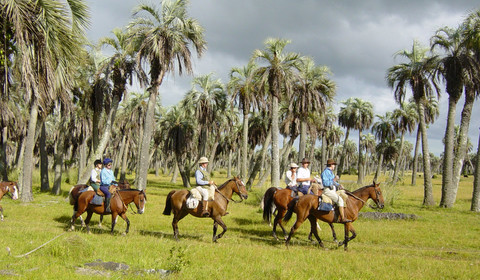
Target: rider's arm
x,y
199,177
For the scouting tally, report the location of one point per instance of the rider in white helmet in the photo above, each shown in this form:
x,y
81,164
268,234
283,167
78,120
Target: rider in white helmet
x,y
205,186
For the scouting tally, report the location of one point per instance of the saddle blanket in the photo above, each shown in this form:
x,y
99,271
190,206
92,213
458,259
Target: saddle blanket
x,y
324,206
97,200
340,193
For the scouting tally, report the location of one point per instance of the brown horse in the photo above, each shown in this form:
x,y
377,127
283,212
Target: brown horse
x,y
118,206
176,203
76,191
8,187
277,199
306,207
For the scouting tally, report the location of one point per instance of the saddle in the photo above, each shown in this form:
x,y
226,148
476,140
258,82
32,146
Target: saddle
x,y
99,196
327,199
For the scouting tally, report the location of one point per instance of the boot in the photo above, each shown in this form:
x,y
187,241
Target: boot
x,y
107,205
342,215
205,208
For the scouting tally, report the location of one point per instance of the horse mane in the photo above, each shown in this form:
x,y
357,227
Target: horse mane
x,y
224,184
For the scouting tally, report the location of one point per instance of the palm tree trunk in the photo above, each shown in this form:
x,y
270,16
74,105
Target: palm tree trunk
x,y
428,189
415,158
44,182
26,194
229,166
3,155
447,175
344,151
476,182
275,175
144,159
58,164
243,168
260,159
323,160
361,159
303,141
123,170
175,173
119,157
461,150
399,160
379,167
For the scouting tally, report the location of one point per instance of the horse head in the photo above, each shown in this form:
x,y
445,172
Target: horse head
x,y
377,195
240,188
140,201
13,190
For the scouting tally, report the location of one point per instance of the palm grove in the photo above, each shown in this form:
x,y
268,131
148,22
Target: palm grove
x,y
64,104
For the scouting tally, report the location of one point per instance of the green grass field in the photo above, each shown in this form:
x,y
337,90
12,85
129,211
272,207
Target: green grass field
x,y
440,244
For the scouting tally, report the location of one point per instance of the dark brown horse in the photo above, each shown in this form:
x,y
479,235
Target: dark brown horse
x,y
176,203
76,191
306,207
118,206
277,199
8,187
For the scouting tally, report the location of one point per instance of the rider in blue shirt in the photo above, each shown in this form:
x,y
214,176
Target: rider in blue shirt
x,y
107,178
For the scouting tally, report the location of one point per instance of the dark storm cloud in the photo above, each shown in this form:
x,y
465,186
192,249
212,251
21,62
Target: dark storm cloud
x,y
357,40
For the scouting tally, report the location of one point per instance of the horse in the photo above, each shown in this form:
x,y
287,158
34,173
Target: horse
x,y
8,187
176,203
279,199
306,208
76,191
118,206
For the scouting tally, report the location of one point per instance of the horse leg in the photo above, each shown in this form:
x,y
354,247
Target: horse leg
x,y
124,217
114,221
1,213
334,234
278,221
298,223
314,230
218,220
176,218
87,220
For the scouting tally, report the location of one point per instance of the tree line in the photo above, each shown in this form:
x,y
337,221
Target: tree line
x,y
66,103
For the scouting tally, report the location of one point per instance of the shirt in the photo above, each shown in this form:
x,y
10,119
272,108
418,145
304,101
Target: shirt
x,y
94,175
303,173
199,177
106,176
290,178
327,178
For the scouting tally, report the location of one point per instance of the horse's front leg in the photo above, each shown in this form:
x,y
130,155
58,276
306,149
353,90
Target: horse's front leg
x,y
1,213
114,221
124,217
218,221
100,222
348,228
176,218
334,234
87,220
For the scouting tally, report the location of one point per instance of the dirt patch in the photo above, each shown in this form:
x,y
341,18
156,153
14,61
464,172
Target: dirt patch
x,y
387,216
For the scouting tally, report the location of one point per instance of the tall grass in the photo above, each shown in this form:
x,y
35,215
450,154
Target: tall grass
x,y
440,244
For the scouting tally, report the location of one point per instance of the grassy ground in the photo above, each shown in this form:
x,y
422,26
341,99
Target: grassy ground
x,y
440,244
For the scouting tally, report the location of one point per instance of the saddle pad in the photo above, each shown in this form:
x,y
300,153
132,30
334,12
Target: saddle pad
x,y
192,202
97,200
340,193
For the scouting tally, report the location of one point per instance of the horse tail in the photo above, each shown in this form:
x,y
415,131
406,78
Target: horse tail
x,y
291,207
168,204
70,196
268,205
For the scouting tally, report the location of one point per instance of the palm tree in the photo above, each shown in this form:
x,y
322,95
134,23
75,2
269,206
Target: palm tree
x,y
206,101
455,67
242,89
277,76
48,35
165,39
405,120
416,74
476,182
313,91
384,131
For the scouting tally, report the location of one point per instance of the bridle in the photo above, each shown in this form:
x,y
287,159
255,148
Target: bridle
x,y
127,206
364,202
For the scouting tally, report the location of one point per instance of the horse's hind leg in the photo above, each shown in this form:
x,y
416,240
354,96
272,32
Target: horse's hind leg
x,y
278,221
313,229
1,213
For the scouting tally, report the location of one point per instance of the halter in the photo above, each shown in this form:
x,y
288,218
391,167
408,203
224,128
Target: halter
x,y
226,198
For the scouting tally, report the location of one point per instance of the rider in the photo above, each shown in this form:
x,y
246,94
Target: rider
x,y
205,186
305,179
95,175
107,178
330,186
291,177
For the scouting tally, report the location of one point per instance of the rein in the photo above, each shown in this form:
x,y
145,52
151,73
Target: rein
x,y
358,198
125,205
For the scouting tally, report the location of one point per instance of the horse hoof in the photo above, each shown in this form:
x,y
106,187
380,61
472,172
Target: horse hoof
x,y
124,234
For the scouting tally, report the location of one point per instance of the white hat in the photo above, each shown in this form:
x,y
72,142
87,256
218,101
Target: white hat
x,y
203,160
293,165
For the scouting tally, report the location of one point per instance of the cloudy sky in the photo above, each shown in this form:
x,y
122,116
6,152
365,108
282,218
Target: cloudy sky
x,y
357,40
